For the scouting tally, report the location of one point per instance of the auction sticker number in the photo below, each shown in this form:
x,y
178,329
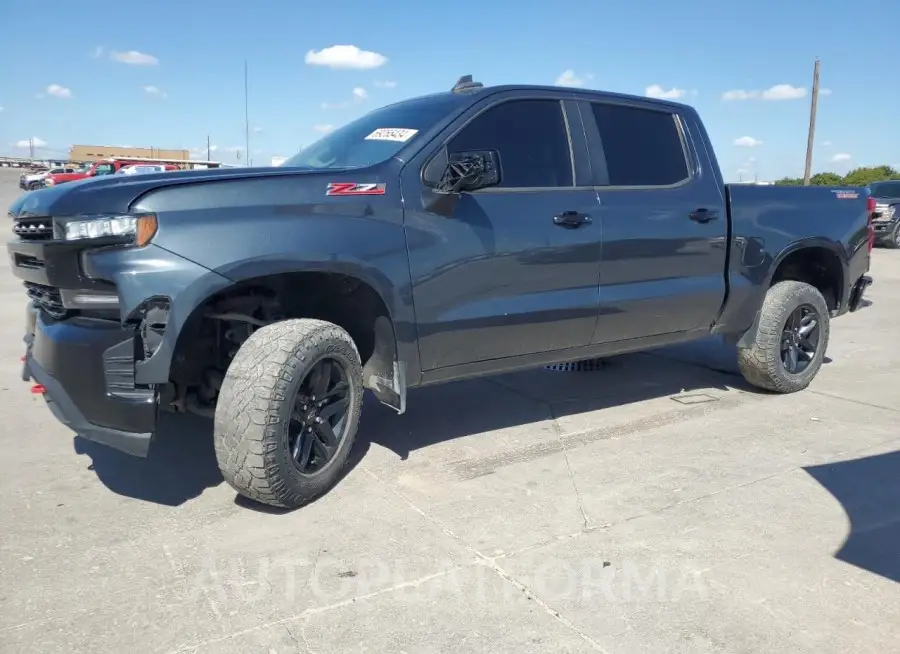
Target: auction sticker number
x,y
399,134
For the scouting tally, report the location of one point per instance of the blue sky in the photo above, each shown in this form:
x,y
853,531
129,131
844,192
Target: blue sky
x,y
167,73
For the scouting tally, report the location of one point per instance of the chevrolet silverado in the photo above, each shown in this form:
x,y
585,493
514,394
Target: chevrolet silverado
x,y
470,232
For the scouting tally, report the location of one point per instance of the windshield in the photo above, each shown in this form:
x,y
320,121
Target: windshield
x,y
885,189
375,137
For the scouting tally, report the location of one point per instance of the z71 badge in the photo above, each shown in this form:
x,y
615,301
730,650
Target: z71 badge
x,y
352,188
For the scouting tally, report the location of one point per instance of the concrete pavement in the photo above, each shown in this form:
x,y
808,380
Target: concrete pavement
x,y
656,505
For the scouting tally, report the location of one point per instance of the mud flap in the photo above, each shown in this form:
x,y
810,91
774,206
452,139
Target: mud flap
x,y
383,374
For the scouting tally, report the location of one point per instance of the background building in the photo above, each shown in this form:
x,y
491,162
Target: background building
x,y
95,152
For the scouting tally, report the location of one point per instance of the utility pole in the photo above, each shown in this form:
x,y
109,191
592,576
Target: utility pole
x,y
31,148
814,103
208,154
246,118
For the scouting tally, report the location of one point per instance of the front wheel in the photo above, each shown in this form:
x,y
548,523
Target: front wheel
x,y
791,339
893,241
288,411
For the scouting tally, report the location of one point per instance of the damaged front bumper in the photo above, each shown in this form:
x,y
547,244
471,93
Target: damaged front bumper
x,y
101,331
85,369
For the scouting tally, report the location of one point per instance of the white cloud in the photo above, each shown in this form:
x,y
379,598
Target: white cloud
x,y
826,143
387,84
25,144
359,95
134,57
235,148
58,91
1,108
747,142
257,130
824,91
346,57
751,159
656,91
98,52
841,156
740,94
324,129
155,91
783,92
777,92
569,78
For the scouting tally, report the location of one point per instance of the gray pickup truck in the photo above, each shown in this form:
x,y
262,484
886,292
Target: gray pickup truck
x,y
886,216
469,232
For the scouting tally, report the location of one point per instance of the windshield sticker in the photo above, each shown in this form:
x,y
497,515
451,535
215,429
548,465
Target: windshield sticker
x,y
398,134
352,188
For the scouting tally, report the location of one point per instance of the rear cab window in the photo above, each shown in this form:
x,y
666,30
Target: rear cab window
x,y
642,147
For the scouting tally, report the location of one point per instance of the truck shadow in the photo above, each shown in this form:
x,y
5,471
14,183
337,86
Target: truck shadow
x,y
181,464
868,489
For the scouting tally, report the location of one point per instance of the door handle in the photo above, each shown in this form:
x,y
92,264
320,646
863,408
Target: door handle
x,y
704,215
571,219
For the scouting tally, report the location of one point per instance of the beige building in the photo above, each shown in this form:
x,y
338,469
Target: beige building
x,y
95,152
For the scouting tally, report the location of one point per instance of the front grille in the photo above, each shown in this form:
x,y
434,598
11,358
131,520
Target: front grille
x,y
47,298
33,229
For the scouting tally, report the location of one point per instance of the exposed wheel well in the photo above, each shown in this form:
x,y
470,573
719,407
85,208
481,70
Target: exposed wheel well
x,y
817,266
215,330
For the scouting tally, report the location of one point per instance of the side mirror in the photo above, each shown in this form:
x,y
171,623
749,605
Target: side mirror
x,y
462,171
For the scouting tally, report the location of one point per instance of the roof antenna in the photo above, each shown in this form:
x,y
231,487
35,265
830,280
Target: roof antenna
x,y
465,83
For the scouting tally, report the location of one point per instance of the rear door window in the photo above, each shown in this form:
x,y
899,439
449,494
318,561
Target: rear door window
x,y
643,147
531,139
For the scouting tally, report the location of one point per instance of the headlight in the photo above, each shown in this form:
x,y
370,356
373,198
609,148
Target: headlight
x,y
134,229
48,182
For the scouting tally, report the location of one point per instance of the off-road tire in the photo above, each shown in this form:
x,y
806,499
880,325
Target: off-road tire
x,y
760,363
255,404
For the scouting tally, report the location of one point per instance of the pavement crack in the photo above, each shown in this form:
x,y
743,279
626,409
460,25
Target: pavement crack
x,y
852,401
492,564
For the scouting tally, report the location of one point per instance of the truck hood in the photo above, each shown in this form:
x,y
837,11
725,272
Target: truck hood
x,y
116,193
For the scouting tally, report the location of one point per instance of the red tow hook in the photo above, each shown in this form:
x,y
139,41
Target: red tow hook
x,y
38,389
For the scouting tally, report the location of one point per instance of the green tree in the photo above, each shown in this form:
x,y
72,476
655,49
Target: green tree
x,y
862,176
826,179
866,175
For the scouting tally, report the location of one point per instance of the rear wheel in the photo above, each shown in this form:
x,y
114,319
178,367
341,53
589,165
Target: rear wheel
x,y
791,339
288,411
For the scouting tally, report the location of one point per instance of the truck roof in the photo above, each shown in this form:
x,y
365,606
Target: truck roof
x,y
471,94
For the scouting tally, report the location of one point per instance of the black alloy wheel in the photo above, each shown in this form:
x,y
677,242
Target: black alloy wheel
x,y
800,339
319,423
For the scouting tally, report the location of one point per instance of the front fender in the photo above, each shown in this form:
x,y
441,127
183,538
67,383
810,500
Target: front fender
x,y
143,276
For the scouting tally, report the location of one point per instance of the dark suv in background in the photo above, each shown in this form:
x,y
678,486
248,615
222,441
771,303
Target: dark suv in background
x,y
886,219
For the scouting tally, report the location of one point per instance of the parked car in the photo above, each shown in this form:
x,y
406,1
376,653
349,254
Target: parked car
x,y
886,219
460,234
34,180
143,169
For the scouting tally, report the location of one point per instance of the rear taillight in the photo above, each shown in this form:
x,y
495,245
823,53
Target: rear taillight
x,y
870,209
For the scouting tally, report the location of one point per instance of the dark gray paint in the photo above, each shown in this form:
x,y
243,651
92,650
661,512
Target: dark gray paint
x,y
496,286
